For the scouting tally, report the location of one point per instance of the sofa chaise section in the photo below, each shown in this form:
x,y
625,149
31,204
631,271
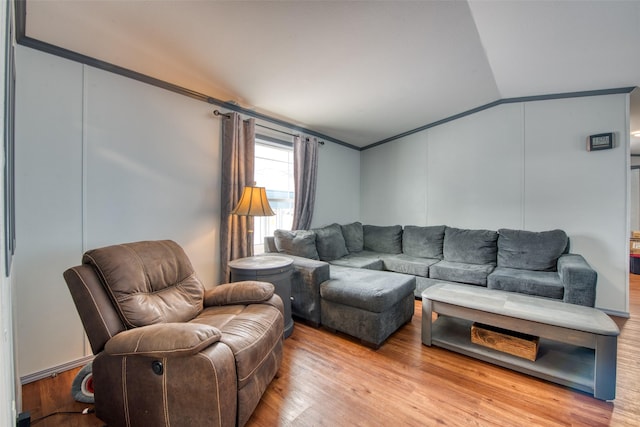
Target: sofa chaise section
x,y
369,305
364,302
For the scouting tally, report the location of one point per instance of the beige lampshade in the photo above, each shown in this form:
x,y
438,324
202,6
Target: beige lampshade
x,y
253,202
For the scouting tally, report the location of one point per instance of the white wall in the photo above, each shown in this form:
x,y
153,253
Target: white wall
x,y
164,149
585,192
393,178
103,159
48,208
337,186
474,170
7,369
520,165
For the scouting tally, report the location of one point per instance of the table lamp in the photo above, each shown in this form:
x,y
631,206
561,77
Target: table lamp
x,y
253,202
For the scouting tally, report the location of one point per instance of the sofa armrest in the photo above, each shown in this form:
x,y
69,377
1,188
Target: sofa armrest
x,y
163,340
244,292
579,280
306,278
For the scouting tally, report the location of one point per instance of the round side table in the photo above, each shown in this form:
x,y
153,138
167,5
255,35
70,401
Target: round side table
x,y
272,269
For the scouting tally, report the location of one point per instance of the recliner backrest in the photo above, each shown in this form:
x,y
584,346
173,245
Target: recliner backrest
x,y
148,282
99,317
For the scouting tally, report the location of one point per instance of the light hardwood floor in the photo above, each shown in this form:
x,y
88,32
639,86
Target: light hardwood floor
x,y
331,380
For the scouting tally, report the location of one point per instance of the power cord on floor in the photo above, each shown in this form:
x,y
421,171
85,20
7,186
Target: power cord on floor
x,y
85,411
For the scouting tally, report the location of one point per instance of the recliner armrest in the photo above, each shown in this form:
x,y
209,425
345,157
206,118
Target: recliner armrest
x,y
579,280
163,340
244,292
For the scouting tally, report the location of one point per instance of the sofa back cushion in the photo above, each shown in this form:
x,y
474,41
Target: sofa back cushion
x,y
386,239
330,242
353,237
470,246
423,242
148,282
270,244
300,243
529,250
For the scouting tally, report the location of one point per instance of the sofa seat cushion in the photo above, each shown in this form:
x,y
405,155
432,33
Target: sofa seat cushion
x,y
538,283
406,264
250,331
374,291
475,274
470,246
365,259
528,250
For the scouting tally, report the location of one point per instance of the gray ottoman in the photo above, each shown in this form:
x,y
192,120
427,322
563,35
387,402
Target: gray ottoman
x,y
367,304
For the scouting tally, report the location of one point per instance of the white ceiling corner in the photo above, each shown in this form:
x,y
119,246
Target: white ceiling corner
x,y
547,47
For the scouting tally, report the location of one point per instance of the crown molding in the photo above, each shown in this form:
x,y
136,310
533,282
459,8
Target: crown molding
x,y
501,102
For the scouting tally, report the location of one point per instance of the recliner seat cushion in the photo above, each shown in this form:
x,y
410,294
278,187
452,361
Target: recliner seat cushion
x,y
538,283
386,239
528,250
470,246
423,242
248,330
330,242
156,284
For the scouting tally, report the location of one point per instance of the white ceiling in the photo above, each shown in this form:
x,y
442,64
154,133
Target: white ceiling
x,y
358,71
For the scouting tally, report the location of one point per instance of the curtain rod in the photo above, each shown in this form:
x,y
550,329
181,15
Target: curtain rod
x,y
228,116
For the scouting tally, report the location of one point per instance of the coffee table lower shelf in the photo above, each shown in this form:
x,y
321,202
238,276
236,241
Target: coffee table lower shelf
x,y
564,364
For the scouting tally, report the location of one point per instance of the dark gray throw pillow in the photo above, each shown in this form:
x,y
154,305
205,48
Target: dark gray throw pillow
x,y
353,237
470,246
297,242
383,239
330,242
529,250
423,242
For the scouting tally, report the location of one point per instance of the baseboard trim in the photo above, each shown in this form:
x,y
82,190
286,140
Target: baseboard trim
x,y
55,370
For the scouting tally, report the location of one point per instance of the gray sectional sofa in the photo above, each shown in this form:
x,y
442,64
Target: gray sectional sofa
x,y
361,279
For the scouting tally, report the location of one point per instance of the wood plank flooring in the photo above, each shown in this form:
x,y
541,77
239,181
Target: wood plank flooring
x,y
330,379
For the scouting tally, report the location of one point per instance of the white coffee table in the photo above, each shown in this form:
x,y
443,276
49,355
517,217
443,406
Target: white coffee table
x,y
578,345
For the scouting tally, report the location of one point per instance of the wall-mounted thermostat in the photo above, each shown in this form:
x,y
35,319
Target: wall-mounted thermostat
x,y
601,141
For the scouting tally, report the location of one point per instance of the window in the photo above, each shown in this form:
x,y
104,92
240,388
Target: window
x,y
274,171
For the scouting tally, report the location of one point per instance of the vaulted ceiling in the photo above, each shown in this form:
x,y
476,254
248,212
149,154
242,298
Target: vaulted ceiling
x,y
358,71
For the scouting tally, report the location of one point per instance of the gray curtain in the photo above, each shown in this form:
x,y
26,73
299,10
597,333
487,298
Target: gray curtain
x,y
238,148
305,170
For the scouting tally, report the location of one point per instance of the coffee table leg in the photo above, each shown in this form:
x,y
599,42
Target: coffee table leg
x,y
604,387
426,321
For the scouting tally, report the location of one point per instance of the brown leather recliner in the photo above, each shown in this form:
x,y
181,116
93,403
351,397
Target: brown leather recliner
x,y
169,352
